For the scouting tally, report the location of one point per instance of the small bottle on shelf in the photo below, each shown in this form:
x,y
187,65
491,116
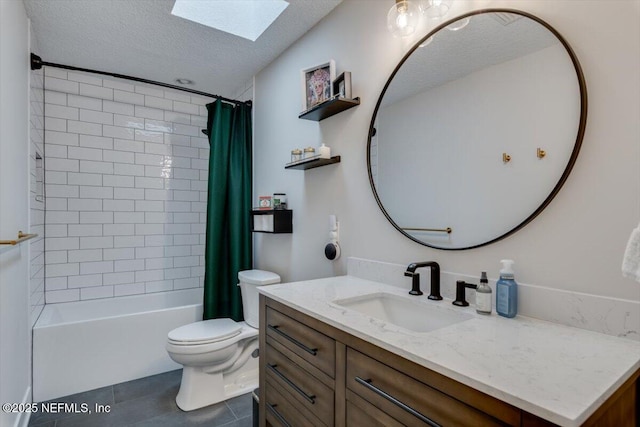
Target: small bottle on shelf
x,y
325,152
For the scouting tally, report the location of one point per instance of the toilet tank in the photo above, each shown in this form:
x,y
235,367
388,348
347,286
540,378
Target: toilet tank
x,y
249,280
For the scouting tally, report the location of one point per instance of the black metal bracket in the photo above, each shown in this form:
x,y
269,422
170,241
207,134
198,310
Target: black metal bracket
x,y
36,62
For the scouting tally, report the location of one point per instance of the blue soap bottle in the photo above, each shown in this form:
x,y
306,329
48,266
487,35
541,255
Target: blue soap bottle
x,y
507,291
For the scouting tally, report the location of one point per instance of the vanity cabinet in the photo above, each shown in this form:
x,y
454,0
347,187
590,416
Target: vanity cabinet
x,y
298,367
312,374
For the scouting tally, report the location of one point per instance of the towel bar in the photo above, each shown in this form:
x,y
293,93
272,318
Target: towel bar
x,y
447,230
21,238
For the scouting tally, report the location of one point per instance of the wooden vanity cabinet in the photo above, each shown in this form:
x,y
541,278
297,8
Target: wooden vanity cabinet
x,y
297,370
312,374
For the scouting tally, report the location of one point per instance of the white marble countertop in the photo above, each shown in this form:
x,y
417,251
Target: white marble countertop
x,y
559,373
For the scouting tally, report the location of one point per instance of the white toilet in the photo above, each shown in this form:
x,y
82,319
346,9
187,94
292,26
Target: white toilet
x,y
220,356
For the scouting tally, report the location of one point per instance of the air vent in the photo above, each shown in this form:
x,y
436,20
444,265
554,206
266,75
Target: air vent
x,y
505,18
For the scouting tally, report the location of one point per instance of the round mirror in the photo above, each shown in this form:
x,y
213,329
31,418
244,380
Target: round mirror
x,y
476,129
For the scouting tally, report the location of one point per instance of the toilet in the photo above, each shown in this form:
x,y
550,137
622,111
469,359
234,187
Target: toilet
x,y
220,356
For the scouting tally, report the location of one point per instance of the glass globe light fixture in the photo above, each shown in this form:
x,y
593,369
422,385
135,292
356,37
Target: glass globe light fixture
x,y
435,9
402,18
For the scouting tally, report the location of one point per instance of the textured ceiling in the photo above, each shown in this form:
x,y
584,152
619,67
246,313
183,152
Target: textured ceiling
x,y
141,38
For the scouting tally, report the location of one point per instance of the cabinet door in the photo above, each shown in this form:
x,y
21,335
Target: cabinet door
x,y
407,400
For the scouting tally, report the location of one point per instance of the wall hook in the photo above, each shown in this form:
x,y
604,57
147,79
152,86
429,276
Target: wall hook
x,y
541,153
506,158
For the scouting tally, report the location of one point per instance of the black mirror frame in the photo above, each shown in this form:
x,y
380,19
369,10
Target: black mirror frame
x,y
570,163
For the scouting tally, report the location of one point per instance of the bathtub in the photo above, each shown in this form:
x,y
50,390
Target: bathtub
x,y
79,346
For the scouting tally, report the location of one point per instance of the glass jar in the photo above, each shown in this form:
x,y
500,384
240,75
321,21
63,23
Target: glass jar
x,y
279,201
296,155
309,152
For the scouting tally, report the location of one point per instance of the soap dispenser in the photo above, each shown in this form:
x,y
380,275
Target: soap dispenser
x,y
507,291
483,295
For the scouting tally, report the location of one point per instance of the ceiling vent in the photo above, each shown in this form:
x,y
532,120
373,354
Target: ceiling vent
x,y
505,18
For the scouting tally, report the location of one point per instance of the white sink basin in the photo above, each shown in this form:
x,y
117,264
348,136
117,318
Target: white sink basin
x,y
414,315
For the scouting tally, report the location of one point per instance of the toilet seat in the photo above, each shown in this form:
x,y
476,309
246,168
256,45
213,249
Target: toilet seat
x,y
191,348
205,332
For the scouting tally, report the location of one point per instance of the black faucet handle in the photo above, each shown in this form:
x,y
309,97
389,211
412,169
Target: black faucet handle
x,y
415,282
460,293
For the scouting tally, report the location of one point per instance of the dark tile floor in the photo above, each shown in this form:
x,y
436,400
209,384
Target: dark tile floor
x,y
146,402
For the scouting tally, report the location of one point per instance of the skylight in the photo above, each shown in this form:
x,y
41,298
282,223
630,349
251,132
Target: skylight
x,y
244,18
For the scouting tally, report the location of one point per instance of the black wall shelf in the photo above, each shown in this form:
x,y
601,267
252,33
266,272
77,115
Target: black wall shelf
x,y
281,221
329,108
314,163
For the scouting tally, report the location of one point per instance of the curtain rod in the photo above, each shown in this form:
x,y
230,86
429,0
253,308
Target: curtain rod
x,y
37,63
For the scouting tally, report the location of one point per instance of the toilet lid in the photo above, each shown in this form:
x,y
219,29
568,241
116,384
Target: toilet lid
x,y
258,277
205,332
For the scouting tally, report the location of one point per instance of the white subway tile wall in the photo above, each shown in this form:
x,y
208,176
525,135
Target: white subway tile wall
x,y
36,185
126,187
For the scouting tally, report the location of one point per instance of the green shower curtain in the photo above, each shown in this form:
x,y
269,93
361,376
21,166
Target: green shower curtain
x,y
228,235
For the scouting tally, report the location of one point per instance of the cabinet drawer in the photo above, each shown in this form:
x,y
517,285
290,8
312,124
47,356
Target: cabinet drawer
x,y
280,409
304,387
313,346
361,413
407,400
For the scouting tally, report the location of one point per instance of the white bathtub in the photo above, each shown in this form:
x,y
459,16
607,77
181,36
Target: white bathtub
x,y
79,346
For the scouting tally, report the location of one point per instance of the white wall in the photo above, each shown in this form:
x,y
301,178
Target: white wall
x,y
575,244
15,345
126,187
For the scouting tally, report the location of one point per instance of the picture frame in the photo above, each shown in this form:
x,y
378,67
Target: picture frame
x,y
316,84
341,86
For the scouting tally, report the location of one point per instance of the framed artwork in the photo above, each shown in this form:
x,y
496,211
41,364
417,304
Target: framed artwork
x,y
342,85
316,84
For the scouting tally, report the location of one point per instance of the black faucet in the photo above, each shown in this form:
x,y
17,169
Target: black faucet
x,y
461,285
434,294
